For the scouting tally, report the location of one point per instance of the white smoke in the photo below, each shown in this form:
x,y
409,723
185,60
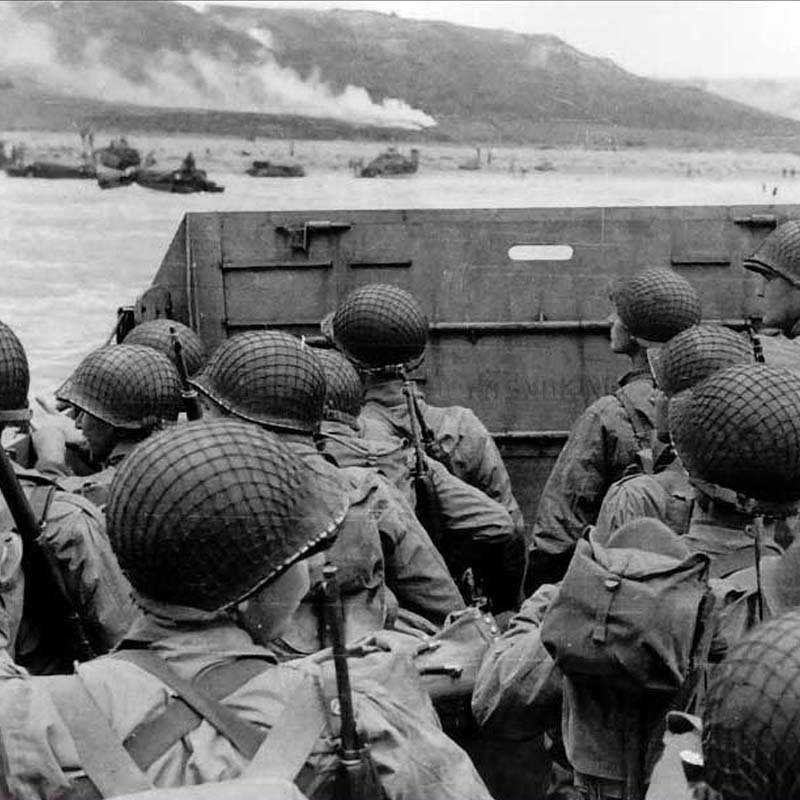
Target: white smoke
x,y
193,80
263,36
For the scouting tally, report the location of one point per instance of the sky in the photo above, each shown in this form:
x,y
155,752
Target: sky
x,y
653,38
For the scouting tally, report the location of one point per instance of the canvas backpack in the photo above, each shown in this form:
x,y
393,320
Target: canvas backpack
x,y
629,617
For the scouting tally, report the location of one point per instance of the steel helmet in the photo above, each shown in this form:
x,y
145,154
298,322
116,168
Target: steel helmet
x,y
155,333
740,430
656,304
14,378
267,377
779,253
344,391
696,353
751,736
204,514
125,385
380,325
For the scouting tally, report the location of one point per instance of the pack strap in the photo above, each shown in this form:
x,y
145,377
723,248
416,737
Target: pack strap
x,y
246,738
102,756
642,434
290,742
150,740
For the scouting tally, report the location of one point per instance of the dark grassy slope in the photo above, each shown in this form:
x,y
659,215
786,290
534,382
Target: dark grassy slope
x,y
480,85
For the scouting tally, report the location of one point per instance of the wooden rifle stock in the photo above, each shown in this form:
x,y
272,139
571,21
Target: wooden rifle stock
x,y
191,404
358,780
40,562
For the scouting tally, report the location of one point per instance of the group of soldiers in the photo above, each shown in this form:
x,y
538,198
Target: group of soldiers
x,y
258,569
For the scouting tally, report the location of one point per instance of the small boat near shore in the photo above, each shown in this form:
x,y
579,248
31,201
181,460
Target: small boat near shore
x,y
176,181
52,170
271,169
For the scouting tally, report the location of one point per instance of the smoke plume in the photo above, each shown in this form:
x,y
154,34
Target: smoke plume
x,y
192,80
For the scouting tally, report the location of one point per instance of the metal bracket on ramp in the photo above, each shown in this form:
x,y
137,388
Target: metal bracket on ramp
x,y
300,236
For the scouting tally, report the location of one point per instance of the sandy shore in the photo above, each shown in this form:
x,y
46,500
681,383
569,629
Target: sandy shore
x,y
234,155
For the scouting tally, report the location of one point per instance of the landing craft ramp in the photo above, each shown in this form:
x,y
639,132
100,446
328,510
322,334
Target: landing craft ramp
x,y
517,298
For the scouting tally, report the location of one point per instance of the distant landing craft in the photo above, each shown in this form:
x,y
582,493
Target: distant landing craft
x,y
270,169
391,162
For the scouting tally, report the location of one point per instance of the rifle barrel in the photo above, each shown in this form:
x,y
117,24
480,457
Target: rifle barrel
x,y
191,404
21,511
333,604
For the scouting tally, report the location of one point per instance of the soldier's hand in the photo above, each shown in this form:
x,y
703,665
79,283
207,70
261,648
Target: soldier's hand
x,y
52,418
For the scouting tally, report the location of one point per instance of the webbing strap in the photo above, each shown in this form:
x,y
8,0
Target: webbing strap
x,y
103,758
245,737
292,738
150,740
642,433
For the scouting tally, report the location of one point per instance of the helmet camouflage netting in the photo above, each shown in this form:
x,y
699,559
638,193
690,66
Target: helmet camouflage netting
x,y
696,353
656,304
155,333
14,372
344,391
204,514
740,429
125,385
267,377
380,325
779,253
751,720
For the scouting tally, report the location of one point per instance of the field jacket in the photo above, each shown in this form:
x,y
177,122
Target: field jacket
x,y
413,757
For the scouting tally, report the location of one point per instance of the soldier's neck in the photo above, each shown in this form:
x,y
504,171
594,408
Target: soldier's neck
x,y
638,359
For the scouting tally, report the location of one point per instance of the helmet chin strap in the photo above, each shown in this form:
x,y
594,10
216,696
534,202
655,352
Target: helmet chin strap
x,y
744,504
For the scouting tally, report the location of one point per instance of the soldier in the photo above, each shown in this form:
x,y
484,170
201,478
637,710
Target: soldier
x,y
156,333
213,522
686,360
777,260
472,531
383,330
73,540
274,380
750,739
738,436
651,308
122,393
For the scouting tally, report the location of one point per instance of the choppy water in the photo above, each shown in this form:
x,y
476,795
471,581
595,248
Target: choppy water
x,y
72,253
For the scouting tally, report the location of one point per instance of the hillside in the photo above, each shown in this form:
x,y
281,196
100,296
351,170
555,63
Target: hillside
x,y
775,95
334,74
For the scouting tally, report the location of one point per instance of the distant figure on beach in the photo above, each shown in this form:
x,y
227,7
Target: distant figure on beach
x,y
774,191
188,165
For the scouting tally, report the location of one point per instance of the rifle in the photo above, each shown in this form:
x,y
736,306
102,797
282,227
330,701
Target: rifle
x,y
357,778
427,507
190,403
427,500
751,325
38,561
